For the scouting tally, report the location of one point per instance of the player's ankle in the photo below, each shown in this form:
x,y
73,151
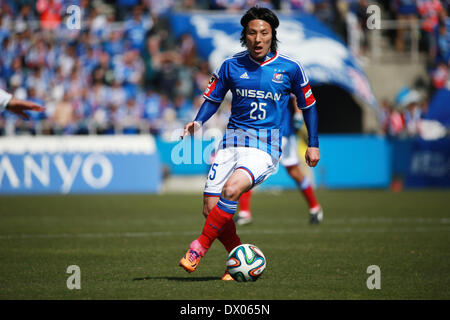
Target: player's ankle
x,y
197,246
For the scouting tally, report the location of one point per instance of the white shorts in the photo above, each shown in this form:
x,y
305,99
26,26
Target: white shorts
x,y
258,165
289,155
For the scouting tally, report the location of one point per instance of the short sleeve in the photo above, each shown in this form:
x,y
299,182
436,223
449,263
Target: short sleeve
x,y
218,85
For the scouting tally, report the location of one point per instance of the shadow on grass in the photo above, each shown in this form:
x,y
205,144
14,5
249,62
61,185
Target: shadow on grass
x,y
185,279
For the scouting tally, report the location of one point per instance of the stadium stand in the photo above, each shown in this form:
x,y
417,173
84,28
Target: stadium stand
x,y
125,72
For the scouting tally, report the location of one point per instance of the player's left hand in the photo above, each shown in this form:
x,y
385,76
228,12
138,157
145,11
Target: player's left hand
x,y
19,107
312,156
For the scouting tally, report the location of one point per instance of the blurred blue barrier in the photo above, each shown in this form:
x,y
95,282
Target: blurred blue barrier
x,y
401,152
347,161
187,157
134,163
353,161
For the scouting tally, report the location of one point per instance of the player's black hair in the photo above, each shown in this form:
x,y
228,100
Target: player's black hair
x,y
260,14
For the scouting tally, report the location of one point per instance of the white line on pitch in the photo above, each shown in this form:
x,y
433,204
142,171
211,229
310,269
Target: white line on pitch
x,y
381,220
193,233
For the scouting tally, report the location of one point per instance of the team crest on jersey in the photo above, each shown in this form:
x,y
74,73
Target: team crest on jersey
x,y
211,86
277,77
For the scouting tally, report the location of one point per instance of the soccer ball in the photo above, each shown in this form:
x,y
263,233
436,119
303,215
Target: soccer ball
x,y
246,263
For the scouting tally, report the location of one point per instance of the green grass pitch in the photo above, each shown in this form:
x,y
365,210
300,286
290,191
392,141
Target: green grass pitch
x,y
128,247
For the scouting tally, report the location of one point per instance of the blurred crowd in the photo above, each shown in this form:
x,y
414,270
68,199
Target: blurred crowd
x,y
402,115
124,72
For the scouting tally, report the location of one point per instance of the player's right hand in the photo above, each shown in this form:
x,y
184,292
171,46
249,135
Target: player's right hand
x,y
190,128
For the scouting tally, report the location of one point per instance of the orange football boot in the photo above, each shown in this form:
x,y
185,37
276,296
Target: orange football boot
x,y
227,276
190,260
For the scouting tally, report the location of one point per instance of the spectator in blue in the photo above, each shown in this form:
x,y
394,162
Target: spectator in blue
x,y
33,125
150,73
443,42
7,57
89,60
124,7
114,45
183,107
305,6
117,93
136,28
4,33
227,4
325,10
130,70
259,3
405,10
128,117
82,112
17,71
160,8
151,112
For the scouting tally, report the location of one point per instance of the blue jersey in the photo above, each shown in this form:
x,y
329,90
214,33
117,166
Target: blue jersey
x,y
260,93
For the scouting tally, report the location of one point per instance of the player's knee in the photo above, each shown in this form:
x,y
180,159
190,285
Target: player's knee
x,y
231,192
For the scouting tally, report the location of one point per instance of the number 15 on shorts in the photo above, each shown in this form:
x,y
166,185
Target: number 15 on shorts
x,y
212,176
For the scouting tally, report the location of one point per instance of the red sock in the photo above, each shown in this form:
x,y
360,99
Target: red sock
x,y
215,224
244,201
229,237
310,196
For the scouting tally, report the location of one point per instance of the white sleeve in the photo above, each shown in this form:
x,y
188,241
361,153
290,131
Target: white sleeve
x,y
5,98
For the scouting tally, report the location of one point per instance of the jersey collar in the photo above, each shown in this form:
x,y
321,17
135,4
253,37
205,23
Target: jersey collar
x,y
271,56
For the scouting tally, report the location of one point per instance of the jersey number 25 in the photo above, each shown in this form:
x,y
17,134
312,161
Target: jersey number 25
x,y
258,106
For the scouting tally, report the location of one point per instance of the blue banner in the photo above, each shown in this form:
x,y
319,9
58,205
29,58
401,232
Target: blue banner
x,y
430,164
79,165
347,161
322,53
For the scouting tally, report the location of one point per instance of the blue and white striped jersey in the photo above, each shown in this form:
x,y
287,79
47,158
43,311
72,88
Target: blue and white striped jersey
x,y
260,97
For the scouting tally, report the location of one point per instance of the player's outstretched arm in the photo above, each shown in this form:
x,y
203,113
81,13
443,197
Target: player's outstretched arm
x,y
206,111
19,107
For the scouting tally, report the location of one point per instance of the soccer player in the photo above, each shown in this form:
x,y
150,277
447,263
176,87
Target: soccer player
x,y
260,80
17,106
292,121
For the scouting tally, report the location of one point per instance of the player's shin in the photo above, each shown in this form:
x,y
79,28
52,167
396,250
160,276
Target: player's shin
x,y
217,221
229,237
308,192
244,201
